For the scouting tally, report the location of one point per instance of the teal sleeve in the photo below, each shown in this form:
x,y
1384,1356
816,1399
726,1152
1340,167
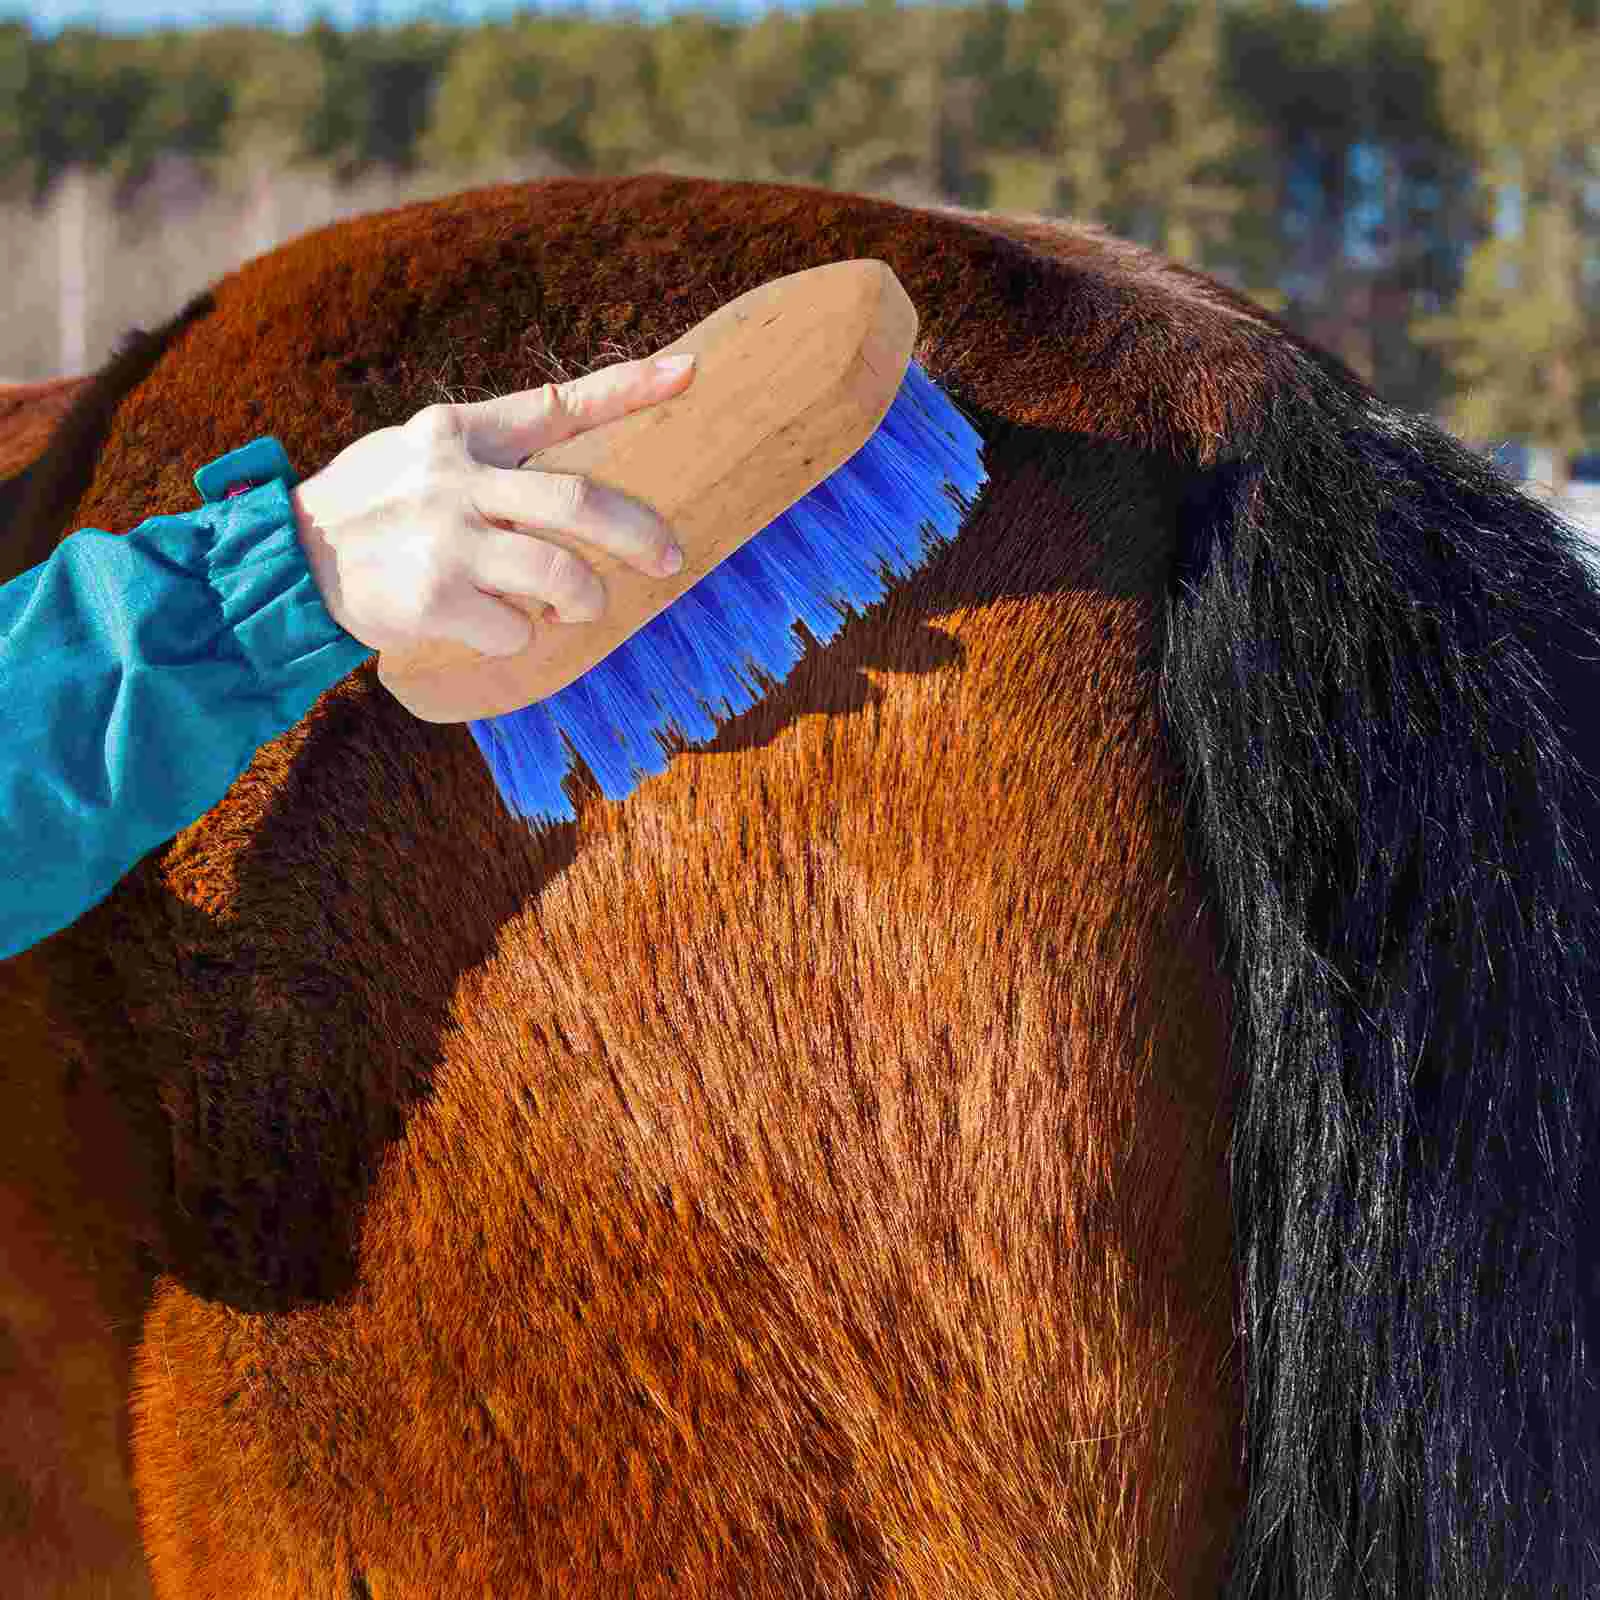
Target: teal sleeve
x,y
140,673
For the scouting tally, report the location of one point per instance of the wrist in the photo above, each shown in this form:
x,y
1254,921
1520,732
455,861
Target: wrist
x,y
321,559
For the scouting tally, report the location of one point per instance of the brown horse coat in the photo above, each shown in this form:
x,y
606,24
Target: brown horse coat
x,y
808,1178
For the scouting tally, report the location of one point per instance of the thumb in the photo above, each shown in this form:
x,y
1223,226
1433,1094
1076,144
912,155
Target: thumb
x,y
505,431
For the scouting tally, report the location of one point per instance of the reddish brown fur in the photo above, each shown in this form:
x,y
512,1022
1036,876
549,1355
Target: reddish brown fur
x,y
71,1298
805,1179
29,413
72,1291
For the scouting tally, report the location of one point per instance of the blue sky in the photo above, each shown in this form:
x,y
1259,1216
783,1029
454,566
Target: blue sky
x,y
46,16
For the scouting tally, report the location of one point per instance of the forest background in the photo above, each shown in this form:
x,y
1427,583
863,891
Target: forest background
x,y
1412,183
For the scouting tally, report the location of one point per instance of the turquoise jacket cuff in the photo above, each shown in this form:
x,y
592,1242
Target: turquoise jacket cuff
x,y
141,673
270,609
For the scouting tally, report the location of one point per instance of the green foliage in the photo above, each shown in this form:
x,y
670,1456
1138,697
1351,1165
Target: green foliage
x,y
507,93
697,119
374,90
1351,163
280,89
85,99
1521,340
18,66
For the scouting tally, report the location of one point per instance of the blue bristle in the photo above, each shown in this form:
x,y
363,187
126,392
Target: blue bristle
x,y
597,712
710,646
774,646
636,713
793,571
488,739
528,759
655,650
701,660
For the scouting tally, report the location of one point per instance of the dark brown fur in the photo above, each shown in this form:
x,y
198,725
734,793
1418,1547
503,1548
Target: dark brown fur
x,y
808,1178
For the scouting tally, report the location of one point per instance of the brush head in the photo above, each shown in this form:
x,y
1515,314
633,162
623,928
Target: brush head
x,y
733,636
791,381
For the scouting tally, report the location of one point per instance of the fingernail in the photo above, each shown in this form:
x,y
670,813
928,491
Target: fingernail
x,y
671,560
672,365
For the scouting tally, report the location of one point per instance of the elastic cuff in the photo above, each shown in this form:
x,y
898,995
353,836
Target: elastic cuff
x,y
270,602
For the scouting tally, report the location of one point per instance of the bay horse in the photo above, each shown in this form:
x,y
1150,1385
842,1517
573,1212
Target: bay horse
x,y
1087,1089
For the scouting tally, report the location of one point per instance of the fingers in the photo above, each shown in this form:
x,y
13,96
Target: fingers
x,y
506,430
534,570
569,503
484,623
468,457
470,598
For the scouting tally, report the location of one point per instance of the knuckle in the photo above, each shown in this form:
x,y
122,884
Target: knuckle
x,y
572,586
555,401
435,424
572,495
564,573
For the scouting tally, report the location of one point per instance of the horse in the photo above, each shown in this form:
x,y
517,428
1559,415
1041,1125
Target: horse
x,y
1087,1088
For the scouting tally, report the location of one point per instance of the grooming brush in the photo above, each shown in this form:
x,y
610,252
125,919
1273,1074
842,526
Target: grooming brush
x,y
810,462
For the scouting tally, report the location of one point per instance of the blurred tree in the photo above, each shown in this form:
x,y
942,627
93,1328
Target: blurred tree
x,y
1013,131
896,105
782,67
280,86
83,100
1122,101
1177,191
1281,70
1072,50
187,102
510,95
1358,181
376,87
19,65
1345,162
872,130
1520,341
698,119
609,66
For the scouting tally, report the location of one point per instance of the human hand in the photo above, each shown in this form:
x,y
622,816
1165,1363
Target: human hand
x,y
414,532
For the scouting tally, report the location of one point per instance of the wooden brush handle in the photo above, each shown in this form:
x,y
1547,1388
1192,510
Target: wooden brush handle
x,y
792,379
